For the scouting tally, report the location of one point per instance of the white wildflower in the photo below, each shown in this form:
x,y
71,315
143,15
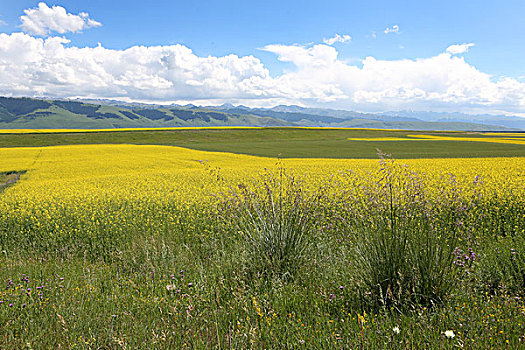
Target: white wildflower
x,y
449,334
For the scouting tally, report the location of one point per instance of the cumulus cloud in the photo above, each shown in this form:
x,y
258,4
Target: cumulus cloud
x,y
52,67
49,67
44,20
338,39
393,29
442,82
459,48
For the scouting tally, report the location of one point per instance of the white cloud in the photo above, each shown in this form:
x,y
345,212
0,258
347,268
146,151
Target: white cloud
x,y
38,67
52,67
3,23
442,82
44,20
394,29
338,39
459,48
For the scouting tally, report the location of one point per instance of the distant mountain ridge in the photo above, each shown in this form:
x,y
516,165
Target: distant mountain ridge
x,y
31,113
513,122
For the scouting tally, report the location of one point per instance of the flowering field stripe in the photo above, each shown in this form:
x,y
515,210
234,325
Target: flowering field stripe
x,y
88,173
59,131
516,139
506,134
54,131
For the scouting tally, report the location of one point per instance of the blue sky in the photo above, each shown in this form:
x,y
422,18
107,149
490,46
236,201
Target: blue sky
x,y
267,31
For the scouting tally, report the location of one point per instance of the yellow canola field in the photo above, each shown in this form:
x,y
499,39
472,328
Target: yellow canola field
x,y
174,128
138,171
45,131
69,190
516,139
506,134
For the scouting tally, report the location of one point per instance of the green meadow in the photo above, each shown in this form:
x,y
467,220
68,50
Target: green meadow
x,y
378,256
284,142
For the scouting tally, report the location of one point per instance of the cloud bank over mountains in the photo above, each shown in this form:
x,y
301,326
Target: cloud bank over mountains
x,y
52,67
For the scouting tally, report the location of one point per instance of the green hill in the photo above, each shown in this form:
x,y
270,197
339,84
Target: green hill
x,y
29,113
26,113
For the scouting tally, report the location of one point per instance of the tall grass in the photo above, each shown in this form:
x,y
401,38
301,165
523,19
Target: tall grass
x,y
275,216
405,237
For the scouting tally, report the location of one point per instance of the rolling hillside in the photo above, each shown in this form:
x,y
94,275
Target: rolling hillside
x,y
29,113
26,113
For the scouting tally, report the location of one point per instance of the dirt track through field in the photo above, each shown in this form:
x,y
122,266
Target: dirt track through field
x,y
8,179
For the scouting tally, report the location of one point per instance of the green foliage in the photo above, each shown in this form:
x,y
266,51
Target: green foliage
x,y
502,266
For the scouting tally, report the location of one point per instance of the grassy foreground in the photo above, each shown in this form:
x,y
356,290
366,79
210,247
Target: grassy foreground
x,y
121,246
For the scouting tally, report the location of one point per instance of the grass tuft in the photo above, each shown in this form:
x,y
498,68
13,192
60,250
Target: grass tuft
x,y
275,217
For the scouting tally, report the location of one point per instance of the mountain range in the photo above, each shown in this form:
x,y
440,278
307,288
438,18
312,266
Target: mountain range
x,y
30,113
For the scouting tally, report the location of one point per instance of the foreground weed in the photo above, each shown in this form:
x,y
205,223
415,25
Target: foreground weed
x,y
405,238
275,214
